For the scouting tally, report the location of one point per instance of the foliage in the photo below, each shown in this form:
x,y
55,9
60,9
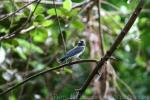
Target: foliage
x,y
39,45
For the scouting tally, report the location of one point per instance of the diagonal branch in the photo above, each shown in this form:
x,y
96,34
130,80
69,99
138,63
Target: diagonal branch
x,y
11,14
44,72
16,32
112,49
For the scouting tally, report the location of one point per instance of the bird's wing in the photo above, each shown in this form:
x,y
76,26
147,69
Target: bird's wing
x,y
75,51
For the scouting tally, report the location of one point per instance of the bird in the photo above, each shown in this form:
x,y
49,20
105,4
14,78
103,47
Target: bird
x,y
75,52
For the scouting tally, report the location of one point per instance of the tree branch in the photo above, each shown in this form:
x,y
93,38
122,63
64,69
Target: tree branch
x,y
14,33
42,73
111,50
11,14
58,3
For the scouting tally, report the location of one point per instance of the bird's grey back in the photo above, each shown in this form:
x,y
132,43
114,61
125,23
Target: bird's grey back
x,y
75,51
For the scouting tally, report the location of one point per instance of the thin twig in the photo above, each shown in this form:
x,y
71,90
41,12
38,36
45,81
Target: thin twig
x,y
122,93
127,87
44,72
112,49
58,3
103,71
62,36
110,5
48,2
100,28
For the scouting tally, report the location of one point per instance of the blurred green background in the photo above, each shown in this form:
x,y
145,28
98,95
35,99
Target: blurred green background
x,y
38,46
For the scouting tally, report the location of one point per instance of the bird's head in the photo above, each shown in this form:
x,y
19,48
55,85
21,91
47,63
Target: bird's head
x,y
81,43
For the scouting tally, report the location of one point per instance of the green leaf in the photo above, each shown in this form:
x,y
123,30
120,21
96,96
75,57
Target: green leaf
x,y
145,39
67,4
36,49
67,70
52,12
39,10
12,43
47,23
20,52
39,35
29,46
88,91
140,61
39,18
78,24
37,65
12,97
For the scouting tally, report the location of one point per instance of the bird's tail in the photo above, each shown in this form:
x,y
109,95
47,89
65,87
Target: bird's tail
x,y
63,59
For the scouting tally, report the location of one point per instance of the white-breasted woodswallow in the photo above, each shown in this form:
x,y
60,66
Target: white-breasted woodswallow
x,y
75,52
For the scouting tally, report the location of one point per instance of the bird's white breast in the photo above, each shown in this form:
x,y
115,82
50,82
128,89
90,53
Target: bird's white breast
x,y
80,52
